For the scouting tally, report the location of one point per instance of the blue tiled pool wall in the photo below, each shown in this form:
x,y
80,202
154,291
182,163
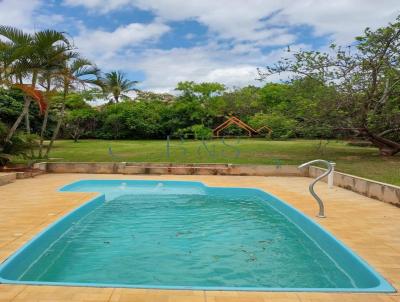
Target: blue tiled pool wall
x,y
16,265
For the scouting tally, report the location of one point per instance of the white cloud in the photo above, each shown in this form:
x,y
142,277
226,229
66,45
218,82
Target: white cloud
x,y
165,68
242,20
26,15
342,18
104,44
18,13
102,6
50,20
235,19
247,25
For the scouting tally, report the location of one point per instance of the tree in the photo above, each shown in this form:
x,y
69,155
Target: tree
x,y
366,81
80,121
281,126
74,74
148,96
115,85
201,91
25,56
49,79
242,102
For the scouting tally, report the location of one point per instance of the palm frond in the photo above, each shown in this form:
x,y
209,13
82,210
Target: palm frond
x,y
35,94
15,35
45,38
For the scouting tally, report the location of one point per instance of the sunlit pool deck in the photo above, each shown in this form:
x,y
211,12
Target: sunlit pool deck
x,y
369,227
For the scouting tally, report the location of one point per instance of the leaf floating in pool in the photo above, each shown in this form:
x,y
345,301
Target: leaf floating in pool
x,y
182,233
107,242
252,258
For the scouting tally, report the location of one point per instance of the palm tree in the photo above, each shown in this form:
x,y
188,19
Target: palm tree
x,y
50,80
25,56
115,85
78,72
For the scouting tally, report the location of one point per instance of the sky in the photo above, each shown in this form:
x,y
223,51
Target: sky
x,y
163,42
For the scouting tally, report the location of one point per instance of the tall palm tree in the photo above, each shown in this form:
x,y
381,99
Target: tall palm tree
x,y
49,80
115,85
77,73
26,57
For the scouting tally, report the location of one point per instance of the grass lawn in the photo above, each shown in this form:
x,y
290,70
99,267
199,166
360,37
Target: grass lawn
x,y
361,161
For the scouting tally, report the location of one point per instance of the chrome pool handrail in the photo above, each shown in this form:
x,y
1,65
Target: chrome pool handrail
x,y
321,213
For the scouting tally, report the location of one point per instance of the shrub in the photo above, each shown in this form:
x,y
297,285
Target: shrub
x,y
79,122
197,131
282,126
21,144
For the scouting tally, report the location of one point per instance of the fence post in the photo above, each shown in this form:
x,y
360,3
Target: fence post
x,y
331,175
168,153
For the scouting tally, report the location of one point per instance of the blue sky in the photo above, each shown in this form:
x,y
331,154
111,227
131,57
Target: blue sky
x,y
162,42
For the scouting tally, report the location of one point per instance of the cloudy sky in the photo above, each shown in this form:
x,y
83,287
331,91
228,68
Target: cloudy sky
x,y
162,42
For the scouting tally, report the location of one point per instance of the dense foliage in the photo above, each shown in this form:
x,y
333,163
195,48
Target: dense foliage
x,y
281,107
291,110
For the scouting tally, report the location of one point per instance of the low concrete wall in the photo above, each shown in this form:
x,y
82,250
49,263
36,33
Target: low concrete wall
x,y
6,178
373,189
100,168
381,191
170,168
29,174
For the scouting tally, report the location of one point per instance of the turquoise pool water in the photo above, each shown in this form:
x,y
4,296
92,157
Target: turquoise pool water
x,y
186,235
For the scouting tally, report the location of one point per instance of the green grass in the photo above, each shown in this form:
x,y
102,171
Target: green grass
x,y
361,161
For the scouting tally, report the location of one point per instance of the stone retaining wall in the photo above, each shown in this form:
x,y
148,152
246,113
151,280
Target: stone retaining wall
x,y
169,168
373,189
6,178
9,177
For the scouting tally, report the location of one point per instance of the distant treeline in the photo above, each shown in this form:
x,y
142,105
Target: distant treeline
x,y
291,110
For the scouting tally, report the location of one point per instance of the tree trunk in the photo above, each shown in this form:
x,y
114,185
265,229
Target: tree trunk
x,y
60,119
56,130
45,118
43,130
27,123
14,127
386,146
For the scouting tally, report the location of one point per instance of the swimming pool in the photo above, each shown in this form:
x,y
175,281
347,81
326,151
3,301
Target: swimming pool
x,y
171,234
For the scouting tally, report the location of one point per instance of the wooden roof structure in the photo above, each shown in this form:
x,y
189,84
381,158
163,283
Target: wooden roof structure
x,y
233,120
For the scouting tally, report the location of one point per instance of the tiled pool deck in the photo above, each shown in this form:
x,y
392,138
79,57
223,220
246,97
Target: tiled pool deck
x,y
369,227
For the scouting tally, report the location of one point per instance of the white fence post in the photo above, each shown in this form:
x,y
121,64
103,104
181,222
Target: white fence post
x,y
330,176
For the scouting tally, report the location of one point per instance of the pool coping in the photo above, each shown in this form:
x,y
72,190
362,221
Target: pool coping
x,y
383,287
